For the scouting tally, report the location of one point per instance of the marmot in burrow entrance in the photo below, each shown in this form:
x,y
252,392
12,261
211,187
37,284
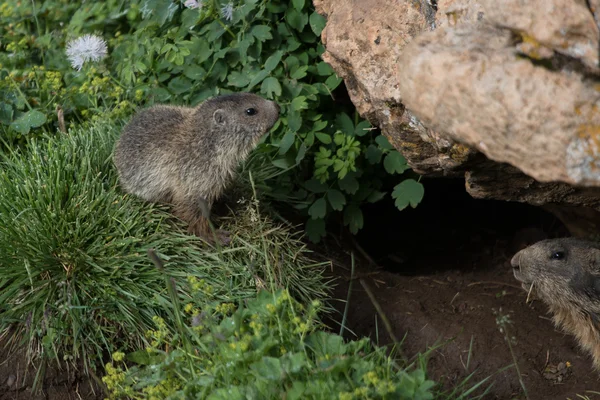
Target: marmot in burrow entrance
x,y
565,274
186,156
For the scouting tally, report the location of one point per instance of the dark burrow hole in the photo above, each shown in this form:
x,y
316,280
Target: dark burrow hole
x,y
450,230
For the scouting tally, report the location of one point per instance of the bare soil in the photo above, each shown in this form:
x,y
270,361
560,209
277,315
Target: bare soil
x,y
441,274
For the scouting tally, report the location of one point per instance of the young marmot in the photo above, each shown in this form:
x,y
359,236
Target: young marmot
x,y
186,156
565,274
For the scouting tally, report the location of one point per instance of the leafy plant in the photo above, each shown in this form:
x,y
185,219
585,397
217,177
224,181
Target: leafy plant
x,y
270,348
330,161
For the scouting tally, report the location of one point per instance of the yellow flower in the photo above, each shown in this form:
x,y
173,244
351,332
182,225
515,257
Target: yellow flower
x,y
371,378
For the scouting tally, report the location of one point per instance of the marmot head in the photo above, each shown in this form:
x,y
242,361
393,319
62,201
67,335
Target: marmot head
x,y
239,117
562,272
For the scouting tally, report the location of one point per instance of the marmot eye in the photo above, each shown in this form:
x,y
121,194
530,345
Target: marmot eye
x,y
558,255
250,111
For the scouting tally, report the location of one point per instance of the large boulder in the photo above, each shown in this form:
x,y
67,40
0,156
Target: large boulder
x,y
496,91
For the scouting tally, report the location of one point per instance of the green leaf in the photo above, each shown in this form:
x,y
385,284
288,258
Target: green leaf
x,y
286,142
273,61
349,184
317,23
301,153
362,128
194,72
353,218
315,229
262,74
323,137
140,66
336,199
238,79
261,32
299,103
281,163
383,142
179,85
344,123
319,125
375,196
31,119
268,368
35,118
142,357
296,19
318,209
309,139
229,393
299,72
338,138
298,4
324,69
294,121
333,82
270,86
6,113
296,392
293,362
395,163
408,192
373,154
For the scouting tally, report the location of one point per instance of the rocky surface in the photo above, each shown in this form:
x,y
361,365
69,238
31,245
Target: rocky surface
x,y
467,87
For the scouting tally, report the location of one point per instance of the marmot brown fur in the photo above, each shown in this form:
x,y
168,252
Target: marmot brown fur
x,y
565,274
186,156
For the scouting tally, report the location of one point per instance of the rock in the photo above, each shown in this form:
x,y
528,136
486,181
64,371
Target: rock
x,y
473,87
567,27
363,41
469,83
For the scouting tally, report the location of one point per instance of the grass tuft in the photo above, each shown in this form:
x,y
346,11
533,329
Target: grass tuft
x,y
76,282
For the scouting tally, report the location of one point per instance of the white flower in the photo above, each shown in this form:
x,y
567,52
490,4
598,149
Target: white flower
x,y
227,11
192,4
85,48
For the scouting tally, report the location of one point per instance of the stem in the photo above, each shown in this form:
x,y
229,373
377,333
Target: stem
x,y
20,92
347,307
37,25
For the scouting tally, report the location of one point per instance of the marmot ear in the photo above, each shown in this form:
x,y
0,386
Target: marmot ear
x,y
595,259
220,117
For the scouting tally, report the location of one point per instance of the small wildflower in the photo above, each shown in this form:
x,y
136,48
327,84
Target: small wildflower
x,y
193,4
371,378
227,11
118,356
361,392
85,48
271,308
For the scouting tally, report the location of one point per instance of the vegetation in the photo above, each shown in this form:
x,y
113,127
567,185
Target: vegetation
x,y
75,275
76,279
269,349
330,162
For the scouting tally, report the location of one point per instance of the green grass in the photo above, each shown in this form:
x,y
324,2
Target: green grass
x,y
75,278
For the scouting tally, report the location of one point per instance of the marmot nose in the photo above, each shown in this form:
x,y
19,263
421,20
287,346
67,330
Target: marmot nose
x,y
515,261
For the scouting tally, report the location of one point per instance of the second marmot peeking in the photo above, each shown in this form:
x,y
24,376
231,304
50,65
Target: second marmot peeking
x,y
565,274
186,156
